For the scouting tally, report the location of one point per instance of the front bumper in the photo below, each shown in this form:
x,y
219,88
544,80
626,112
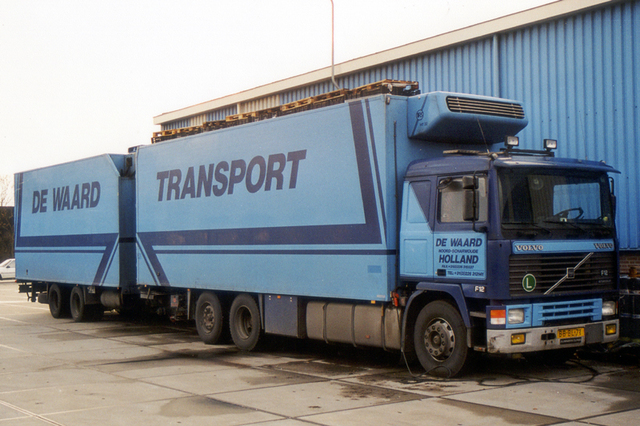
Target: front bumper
x,y
545,338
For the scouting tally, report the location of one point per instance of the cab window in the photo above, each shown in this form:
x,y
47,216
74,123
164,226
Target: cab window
x,y
451,199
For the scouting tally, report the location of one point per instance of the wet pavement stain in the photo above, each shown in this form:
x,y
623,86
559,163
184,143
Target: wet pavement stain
x,y
357,392
628,380
320,368
478,412
273,379
200,406
64,337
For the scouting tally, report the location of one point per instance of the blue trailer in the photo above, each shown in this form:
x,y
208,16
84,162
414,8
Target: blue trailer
x,y
74,232
387,221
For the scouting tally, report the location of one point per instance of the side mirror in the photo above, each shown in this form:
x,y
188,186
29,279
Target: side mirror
x,y
470,187
614,201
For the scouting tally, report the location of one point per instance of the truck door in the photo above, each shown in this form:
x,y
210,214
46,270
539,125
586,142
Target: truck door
x,y
459,249
416,235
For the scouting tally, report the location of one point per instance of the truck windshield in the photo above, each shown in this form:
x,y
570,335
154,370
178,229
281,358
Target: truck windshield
x,y
566,199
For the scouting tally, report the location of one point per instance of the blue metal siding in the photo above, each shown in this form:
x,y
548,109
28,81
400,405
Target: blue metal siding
x,y
221,114
184,122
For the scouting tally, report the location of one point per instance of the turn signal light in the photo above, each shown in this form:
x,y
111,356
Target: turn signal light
x,y
498,316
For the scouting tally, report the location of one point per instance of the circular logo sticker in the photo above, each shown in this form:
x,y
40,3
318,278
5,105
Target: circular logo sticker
x,y
529,283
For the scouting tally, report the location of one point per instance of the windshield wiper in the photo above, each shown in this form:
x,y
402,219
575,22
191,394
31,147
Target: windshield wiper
x,y
575,225
541,227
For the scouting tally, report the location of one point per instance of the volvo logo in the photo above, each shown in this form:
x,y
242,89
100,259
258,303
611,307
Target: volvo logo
x,y
529,247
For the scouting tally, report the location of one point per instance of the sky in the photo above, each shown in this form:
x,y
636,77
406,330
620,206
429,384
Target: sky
x,y
81,78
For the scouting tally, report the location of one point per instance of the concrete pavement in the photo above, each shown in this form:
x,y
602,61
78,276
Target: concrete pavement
x,y
124,372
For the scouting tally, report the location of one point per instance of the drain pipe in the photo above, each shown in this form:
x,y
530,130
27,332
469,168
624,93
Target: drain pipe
x,y
333,77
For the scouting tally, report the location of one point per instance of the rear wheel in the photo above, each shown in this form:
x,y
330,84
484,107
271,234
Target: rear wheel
x,y
440,339
209,318
58,301
244,322
80,311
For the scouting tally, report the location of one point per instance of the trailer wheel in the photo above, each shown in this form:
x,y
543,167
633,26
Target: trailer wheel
x,y
244,322
58,301
79,311
209,318
440,339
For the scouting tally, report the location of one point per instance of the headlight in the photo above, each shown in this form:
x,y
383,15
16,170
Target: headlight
x,y
516,316
608,308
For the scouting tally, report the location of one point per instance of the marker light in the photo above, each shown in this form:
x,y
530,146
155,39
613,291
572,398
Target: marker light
x,y
512,141
550,144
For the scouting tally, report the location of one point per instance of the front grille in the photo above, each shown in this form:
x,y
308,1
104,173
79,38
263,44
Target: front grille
x,y
485,107
596,274
559,312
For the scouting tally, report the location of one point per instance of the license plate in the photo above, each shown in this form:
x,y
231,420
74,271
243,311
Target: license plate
x,y
568,333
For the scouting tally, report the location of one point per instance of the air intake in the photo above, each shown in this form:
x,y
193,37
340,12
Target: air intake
x,y
485,107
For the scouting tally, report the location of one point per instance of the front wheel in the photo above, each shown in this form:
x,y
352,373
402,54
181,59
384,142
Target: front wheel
x,y
440,339
244,322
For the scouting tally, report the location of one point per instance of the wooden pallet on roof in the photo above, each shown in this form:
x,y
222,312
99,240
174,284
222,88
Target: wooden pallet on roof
x,y
395,87
265,114
208,126
321,103
238,119
297,106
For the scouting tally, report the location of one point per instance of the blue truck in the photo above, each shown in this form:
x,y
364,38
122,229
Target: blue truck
x,y
398,220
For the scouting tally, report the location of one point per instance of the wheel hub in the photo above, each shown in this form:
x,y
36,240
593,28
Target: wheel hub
x,y
439,339
208,318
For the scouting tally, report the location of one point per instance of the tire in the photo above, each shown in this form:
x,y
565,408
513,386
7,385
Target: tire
x,y
79,310
440,339
244,322
209,318
58,301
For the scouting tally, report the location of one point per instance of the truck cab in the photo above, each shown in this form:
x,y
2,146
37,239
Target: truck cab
x,y
520,243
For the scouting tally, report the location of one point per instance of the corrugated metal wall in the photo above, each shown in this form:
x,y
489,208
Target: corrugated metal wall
x,y
575,75
258,104
578,78
221,114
